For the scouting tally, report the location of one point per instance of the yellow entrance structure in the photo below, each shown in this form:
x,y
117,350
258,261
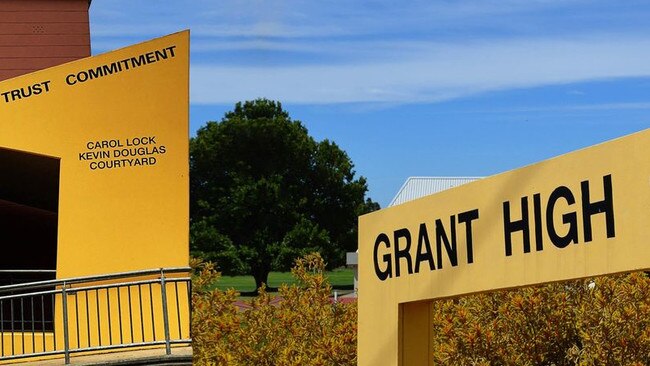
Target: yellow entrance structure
x,y
578,215
94,157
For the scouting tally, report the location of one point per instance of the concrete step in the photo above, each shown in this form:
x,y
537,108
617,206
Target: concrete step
x,y
180,356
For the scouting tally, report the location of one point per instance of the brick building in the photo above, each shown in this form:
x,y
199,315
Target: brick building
x,y
36,34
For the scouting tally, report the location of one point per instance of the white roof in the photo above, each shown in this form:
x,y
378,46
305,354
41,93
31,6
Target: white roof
x,y
416,187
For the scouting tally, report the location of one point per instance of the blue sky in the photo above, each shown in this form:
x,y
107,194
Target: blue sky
x,y
414,88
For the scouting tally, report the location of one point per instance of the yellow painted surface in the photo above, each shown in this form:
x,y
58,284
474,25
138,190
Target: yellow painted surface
x,y
119,219
621,248
415,333
133,316
37,342
102,318
88,114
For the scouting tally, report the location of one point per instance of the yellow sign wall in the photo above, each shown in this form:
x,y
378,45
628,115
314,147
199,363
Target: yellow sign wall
x,y
578,215
118,123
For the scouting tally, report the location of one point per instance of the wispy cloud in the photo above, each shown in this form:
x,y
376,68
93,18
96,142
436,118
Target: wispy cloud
x,y
442,72
306,19
606,107
338,51
551,108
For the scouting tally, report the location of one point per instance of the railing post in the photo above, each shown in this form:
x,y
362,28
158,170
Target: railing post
x,y
66,338
50,289
163,291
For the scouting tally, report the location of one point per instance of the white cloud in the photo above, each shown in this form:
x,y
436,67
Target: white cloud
x,y
608,106
305,19
269,29
439,72
262,29
564,108
415,51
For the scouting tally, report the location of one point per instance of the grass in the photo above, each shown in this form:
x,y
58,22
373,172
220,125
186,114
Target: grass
x,y
340,279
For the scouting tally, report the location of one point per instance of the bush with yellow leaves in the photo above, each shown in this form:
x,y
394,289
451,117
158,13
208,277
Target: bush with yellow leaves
x,y
595,322
304,328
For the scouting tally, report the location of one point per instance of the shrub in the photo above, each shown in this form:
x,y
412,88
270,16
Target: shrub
x,y
613,320
594,322
304,328
602,321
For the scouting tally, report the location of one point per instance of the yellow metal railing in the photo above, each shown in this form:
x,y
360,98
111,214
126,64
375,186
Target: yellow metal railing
x,y
149,308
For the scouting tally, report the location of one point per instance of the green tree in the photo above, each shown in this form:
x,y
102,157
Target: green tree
x,y
263,192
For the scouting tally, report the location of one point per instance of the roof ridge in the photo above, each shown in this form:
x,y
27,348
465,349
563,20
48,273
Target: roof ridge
x,y
444,177
415,183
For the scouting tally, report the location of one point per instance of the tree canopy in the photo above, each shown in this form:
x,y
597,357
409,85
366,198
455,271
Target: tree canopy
x,y
264,192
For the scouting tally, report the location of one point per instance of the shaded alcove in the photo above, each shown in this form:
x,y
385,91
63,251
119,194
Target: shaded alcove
x,y
29,201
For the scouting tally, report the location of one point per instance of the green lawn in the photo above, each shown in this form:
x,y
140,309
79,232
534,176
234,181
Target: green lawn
x,y
342,279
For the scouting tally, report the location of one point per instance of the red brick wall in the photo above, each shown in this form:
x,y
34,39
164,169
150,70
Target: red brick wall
x,y
36,34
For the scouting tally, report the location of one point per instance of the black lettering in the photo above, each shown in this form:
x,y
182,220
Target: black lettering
x,y
403,253
537,212
125,64
82,77
467,218
95,73
510,227
569,218
423,238
171,50
70,79
387,272
605,206
110,69
161,54
119,66
442,238
26,94
139,61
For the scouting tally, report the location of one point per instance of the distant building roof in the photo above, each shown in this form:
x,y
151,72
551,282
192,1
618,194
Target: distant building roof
x,y
417,187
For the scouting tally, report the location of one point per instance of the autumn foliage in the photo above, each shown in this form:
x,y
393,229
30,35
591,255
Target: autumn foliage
x,y
305,328
602,321
593,322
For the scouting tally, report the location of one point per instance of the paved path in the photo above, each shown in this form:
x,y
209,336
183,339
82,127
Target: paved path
x,y
179,356
345,298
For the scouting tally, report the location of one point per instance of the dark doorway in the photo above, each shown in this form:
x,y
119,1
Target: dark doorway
x,y
29,207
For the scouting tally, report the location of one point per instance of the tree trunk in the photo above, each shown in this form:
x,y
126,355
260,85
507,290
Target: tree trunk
x,y
261,277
